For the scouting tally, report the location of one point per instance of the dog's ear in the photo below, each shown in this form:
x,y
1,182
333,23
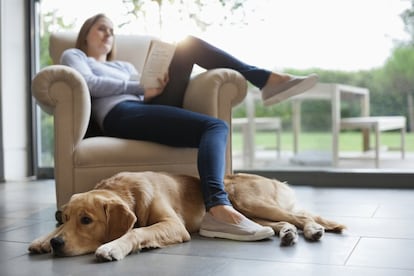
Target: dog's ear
x,y
119,219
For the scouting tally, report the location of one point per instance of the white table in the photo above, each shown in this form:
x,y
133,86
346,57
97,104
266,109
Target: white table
x,y
335,93
251,123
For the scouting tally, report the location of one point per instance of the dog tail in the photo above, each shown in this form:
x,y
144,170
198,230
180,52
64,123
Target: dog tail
x,y
329,225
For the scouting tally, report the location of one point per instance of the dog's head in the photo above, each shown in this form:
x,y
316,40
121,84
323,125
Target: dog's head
x,y
89,220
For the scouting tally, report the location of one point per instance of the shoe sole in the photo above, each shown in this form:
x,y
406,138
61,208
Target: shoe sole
x,y
301,87
229,236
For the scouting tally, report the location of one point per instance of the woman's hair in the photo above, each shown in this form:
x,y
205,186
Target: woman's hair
x,y
84,31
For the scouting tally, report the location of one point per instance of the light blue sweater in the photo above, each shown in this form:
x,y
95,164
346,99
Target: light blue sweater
x,y
109,82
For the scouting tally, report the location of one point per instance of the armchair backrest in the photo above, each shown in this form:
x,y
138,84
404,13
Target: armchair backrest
x,y
132,48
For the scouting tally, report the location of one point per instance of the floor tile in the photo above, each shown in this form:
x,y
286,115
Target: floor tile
x,y
246,267
9,224
379,227
10,250
28,233
396,210
329,209
333,249
28,210
135,264
384,253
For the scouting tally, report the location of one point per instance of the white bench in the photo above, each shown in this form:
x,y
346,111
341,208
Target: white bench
x,y
378,124
248,127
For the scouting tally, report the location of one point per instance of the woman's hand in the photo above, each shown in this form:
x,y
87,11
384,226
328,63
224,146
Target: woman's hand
x,y
151,93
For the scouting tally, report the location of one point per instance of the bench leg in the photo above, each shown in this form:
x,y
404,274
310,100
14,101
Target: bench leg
x,y
377,146
403,143
248,147
278,143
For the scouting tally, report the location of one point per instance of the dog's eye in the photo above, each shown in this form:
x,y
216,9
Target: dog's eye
x,y
85,220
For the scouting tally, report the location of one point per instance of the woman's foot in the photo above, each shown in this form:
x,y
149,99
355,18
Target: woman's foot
x,y
279,88
226,223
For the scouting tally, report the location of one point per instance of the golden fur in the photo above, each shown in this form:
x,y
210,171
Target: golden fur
x,y
132,211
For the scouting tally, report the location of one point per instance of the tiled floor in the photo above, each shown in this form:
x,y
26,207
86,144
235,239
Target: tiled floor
x,y
380,240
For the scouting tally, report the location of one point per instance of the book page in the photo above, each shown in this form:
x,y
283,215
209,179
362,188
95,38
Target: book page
x,y
157,62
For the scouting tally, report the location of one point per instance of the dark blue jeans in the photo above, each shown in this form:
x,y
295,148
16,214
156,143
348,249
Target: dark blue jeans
x,y
177,127
164,121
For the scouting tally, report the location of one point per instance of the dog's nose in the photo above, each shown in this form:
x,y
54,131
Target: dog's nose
x,y
57,243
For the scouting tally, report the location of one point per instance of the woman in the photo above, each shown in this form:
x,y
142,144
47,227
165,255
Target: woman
x,y
117,105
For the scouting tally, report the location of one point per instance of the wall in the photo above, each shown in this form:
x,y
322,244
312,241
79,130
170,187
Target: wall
x,y
14,89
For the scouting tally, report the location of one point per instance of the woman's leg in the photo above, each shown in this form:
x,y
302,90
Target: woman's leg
x,y
179,128
182,128
275,87
192,51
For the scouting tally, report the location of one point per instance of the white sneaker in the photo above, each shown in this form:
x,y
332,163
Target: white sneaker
x,y
273,94
246,230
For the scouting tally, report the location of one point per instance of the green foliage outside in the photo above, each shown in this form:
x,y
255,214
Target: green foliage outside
x,y
388,95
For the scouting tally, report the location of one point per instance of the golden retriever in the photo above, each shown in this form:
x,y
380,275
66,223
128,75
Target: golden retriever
x,y
135,210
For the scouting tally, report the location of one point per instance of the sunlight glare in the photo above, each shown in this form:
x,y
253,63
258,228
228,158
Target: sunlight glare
x,y
327,34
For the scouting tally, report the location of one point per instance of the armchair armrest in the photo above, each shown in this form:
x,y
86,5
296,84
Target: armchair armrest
x,y
215,92
62,91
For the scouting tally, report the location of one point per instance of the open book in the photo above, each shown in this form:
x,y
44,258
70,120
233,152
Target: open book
x,y
156,64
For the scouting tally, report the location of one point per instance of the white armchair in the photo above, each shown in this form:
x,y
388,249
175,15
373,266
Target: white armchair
x,y
82,160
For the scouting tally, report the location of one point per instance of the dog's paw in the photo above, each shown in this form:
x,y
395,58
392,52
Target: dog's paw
x,y
313,231
288,235
40,246
109,252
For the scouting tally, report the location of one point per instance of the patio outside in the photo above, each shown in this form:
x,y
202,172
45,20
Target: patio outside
x,y
270,140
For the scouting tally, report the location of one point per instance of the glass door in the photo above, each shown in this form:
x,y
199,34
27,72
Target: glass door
x,y
213,20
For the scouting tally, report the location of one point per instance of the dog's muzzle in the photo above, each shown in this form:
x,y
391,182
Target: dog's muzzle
x,y
57,244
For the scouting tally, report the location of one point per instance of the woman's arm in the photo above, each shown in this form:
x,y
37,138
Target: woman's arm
x,y
103,81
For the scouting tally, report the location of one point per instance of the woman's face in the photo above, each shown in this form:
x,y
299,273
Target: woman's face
x,y
100,39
